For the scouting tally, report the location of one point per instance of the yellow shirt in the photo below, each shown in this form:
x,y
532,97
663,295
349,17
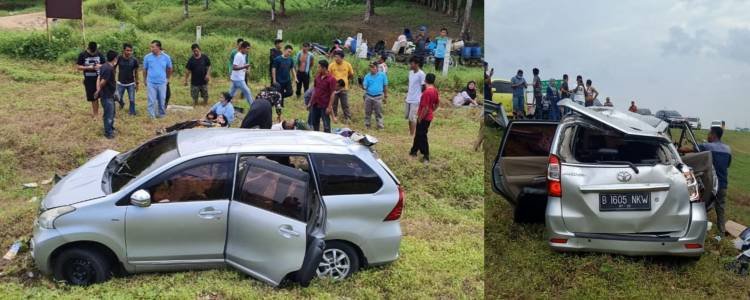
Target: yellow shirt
x,y
341,71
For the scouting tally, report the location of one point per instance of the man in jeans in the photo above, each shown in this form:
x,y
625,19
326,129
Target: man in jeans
x,y
283,74
89,62
518,84
239,71
273,53
305,60
127,77
106,88
428,104
199,66
414,93
342,70
375,85
157,69
320,105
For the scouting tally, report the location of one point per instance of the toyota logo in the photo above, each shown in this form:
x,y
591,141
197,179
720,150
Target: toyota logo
x,y
624,176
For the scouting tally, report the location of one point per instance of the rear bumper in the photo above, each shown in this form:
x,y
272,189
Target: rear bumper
x,y
565,240
382,246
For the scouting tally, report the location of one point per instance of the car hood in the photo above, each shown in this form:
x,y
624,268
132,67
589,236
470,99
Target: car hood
x,y
81,184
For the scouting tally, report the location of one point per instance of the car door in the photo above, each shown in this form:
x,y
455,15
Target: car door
x,y
519,172
186,221
269,234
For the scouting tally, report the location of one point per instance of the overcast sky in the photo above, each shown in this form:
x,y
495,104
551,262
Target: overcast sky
x,y
689,55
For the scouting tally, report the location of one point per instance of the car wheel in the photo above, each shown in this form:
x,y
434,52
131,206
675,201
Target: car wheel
x,y
339,261
80,266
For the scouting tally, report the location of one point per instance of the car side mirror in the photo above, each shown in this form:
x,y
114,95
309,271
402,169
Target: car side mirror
x,y
141,198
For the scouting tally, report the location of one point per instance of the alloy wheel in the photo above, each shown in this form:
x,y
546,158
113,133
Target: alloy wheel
x,y
335,264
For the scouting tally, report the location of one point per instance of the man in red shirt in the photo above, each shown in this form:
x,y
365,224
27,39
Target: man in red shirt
x,y
428,104
320,106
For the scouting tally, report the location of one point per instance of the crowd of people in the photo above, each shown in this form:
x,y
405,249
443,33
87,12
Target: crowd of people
x,y
107,78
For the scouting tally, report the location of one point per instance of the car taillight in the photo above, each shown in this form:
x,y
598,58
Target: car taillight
x,y
693,246
692,183
395,213
554,188
558,240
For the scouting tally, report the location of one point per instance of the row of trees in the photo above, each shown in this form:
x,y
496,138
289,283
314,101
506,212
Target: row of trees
x,y
460,10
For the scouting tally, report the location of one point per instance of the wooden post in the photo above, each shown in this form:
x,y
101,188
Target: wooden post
x,y
197,34
46,22
83,27
447,59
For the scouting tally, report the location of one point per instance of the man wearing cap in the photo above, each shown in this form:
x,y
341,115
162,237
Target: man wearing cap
x,y
224,107
375,85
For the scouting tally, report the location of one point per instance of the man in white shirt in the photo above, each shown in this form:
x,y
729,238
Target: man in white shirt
x,y
416,86
239,70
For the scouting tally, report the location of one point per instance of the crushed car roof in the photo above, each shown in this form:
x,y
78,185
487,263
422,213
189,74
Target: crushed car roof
x,y
202,139
625,122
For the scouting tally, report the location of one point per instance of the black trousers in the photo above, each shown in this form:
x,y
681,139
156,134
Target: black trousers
x,y
303,81
420,140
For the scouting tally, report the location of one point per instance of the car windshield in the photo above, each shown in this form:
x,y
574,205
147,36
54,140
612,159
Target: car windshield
x,y
596,145
502,87
140,161
672,113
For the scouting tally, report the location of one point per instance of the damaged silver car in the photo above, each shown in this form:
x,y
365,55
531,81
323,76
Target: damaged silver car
x,y
606,181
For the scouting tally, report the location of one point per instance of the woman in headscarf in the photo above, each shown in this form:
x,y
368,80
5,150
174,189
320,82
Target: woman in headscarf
x,y
468,96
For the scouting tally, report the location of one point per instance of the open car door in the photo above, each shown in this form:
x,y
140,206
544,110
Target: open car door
x,y
275,225
701,162
519,173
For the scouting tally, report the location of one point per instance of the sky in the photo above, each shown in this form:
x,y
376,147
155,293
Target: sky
x,y
692,56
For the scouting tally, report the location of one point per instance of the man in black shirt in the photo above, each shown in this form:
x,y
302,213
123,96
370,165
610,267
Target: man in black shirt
x,y
127,77
106,90
199,66
89,62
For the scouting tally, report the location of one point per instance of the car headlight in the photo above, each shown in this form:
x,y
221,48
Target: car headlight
x,y
47,218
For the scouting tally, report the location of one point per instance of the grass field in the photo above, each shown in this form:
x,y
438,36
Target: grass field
x,y
47,127
519,264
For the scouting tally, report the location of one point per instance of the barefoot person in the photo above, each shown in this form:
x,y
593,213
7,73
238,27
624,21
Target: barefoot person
x,y
127,77
105,90
89,62
414,93
428,104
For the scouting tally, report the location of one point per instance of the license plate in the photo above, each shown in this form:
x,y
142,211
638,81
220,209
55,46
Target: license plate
x,y
624,201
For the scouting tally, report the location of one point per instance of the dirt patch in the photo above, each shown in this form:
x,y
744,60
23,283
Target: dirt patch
x,y
25,21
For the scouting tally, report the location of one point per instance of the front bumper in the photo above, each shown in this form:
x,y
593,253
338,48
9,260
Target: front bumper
x,y
560,239
42,244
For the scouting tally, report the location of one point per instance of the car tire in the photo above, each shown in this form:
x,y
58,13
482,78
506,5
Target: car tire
x,y
82,266
334,265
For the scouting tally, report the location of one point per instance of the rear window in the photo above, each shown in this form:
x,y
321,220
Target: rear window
x,y
502,87
590,144
341,174
529,139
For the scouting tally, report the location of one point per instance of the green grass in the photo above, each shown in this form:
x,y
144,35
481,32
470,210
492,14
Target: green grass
x,y
519,264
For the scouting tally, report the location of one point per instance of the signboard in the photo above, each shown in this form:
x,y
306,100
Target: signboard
x,y
64,9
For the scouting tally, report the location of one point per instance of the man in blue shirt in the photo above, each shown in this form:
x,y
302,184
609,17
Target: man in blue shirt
x,y
376,94
225,108
283,74
157,69
518,84
440,51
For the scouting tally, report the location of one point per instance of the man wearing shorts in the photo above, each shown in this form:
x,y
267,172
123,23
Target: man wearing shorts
x,y
199,67
414,93
89,61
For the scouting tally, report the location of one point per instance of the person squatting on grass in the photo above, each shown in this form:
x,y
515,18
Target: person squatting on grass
x,y
375,85
157,69
320,106
283,74
305,60
342,70
224,107
414,92
199,67
105,90
127,77
260,115
89,61
239,70
428,104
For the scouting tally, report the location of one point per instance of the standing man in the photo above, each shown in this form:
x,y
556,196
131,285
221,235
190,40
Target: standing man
x,y
537,86
722,159
375,85
440,42
105,90
127,77
414,93
428,104
342,70
564,89
608,103
632,107
382,65
199,66
239,70
233,53
89,62
591,93
157,69
488,82
553,96
320,105
274,52
305,60
518,84
283,75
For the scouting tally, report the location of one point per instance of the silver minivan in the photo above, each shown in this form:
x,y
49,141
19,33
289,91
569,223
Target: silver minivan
x,y
277,205
607,181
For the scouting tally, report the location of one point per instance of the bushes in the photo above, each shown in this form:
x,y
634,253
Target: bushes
x,y
35,45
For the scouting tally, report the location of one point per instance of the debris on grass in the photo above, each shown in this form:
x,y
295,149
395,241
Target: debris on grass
x,y
47,181
30,185
11,254
33,199
733,228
